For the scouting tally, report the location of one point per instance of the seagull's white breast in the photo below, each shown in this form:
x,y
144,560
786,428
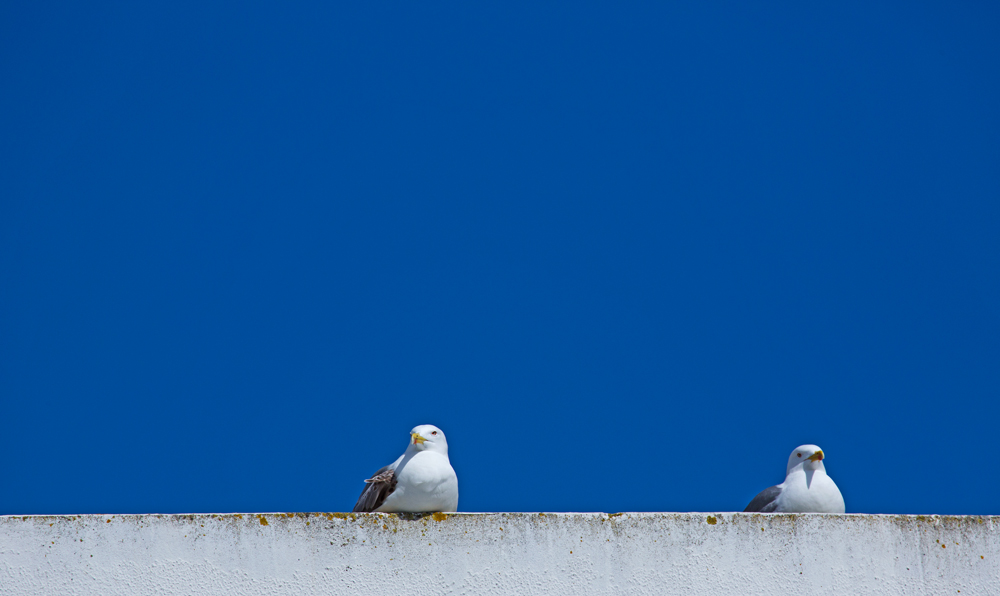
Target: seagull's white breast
x,y
424,482
810,492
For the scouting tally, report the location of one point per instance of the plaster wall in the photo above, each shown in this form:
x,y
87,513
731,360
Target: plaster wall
x,y
498,553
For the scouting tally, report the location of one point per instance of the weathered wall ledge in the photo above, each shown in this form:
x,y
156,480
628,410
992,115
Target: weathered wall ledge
x,y
306,554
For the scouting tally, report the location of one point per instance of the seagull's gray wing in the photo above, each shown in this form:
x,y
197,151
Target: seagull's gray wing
x,y
766,501
377,488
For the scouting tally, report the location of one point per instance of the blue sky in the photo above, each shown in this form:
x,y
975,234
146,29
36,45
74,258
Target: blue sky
x,y
627,257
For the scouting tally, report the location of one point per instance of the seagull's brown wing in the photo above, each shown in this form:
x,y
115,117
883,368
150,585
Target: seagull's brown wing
x,y
377,488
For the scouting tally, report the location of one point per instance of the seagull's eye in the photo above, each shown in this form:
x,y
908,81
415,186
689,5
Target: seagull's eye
x,y
798,455
434,432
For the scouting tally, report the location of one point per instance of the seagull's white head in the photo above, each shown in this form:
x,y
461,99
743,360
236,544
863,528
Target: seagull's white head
x,y
810,457
428,437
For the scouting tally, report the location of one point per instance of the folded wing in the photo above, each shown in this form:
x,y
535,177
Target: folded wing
x,y
765,502
377,488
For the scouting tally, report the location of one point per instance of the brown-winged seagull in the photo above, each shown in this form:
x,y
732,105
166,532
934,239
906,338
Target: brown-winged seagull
x,y
421,480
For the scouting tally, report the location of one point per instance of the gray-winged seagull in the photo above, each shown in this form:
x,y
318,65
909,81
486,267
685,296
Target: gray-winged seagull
x,y
806,489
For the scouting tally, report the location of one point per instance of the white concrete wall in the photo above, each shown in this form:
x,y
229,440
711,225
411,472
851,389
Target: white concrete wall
x,y
498,553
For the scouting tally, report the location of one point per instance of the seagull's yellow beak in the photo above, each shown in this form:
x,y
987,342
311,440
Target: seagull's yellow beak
x,y
818,456
417,439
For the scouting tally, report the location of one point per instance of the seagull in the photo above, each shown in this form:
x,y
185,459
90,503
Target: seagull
x,y
806,489
421,480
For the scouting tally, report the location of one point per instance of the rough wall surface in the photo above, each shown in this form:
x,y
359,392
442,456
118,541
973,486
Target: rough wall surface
x,y
498,553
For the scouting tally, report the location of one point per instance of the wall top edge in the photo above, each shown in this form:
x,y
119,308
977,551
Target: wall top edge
x,y
505,515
